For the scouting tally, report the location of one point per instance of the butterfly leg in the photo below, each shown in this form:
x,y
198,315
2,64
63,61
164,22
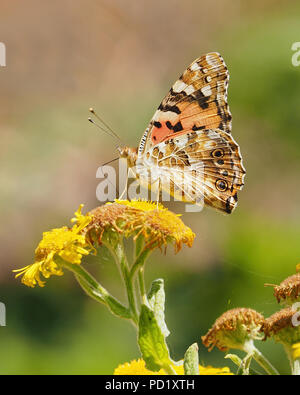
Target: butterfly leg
x,y
158,193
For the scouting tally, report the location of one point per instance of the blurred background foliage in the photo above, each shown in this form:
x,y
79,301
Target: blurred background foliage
x,y
121,57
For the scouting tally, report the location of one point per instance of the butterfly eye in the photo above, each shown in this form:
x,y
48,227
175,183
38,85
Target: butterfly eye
x,y
221,185
217,153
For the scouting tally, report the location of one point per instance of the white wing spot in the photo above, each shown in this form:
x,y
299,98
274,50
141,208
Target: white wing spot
x,y
194,67
179,86
182,142
189,90
208,145
211,60
206,90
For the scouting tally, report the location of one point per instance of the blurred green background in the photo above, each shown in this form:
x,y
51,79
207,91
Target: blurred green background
x,y
121,57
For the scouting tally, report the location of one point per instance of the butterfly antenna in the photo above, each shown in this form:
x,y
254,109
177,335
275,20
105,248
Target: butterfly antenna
x,y
110,161
101,127
108,128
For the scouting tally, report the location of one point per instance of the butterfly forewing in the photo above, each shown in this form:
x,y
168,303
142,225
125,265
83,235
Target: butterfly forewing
x,y
189,138
197,100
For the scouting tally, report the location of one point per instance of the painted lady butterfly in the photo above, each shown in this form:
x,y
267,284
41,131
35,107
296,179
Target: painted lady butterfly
x,y
189,137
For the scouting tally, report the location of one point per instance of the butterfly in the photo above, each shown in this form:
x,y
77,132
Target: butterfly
x,y
188,147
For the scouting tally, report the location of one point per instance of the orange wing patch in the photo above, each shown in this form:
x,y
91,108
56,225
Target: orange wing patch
x,y
197,100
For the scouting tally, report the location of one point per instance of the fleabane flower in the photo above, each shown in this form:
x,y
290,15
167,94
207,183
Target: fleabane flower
x,y
138,367
67,243
158,225
235,329
288,291
284,327
135,218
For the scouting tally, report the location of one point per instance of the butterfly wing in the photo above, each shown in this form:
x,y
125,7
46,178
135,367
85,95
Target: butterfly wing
x,y
197,100
189,138
201,166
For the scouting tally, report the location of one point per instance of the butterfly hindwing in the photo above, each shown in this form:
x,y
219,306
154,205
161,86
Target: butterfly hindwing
x,y
202,165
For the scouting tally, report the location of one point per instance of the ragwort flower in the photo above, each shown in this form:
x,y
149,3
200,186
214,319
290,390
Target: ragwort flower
x,y
153,221
288,290
283,327
234,329
67,243
237,329
138,367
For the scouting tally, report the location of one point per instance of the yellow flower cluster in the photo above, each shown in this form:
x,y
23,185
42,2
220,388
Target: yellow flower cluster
x,y
138,367
66,243
153,221
158,226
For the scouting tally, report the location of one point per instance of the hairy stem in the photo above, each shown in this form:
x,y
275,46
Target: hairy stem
x,y
142,286
95,290
122,260
260,358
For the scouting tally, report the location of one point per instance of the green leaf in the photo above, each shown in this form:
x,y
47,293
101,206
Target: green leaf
x,y
156,298
191,360
152,342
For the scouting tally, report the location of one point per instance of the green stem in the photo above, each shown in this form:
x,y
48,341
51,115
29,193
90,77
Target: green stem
x,y
264,363
240,364
260,358
95,290
169,370
121,258
296,367
139,261
289,353
139,244
246,364
141,255
142,286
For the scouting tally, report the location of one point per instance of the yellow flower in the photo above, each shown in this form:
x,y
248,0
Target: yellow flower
x,y
143,205
137,367
157,224
81,220
67,243
296,350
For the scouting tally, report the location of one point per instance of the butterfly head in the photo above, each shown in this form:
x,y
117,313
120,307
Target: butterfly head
x,y
128,153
